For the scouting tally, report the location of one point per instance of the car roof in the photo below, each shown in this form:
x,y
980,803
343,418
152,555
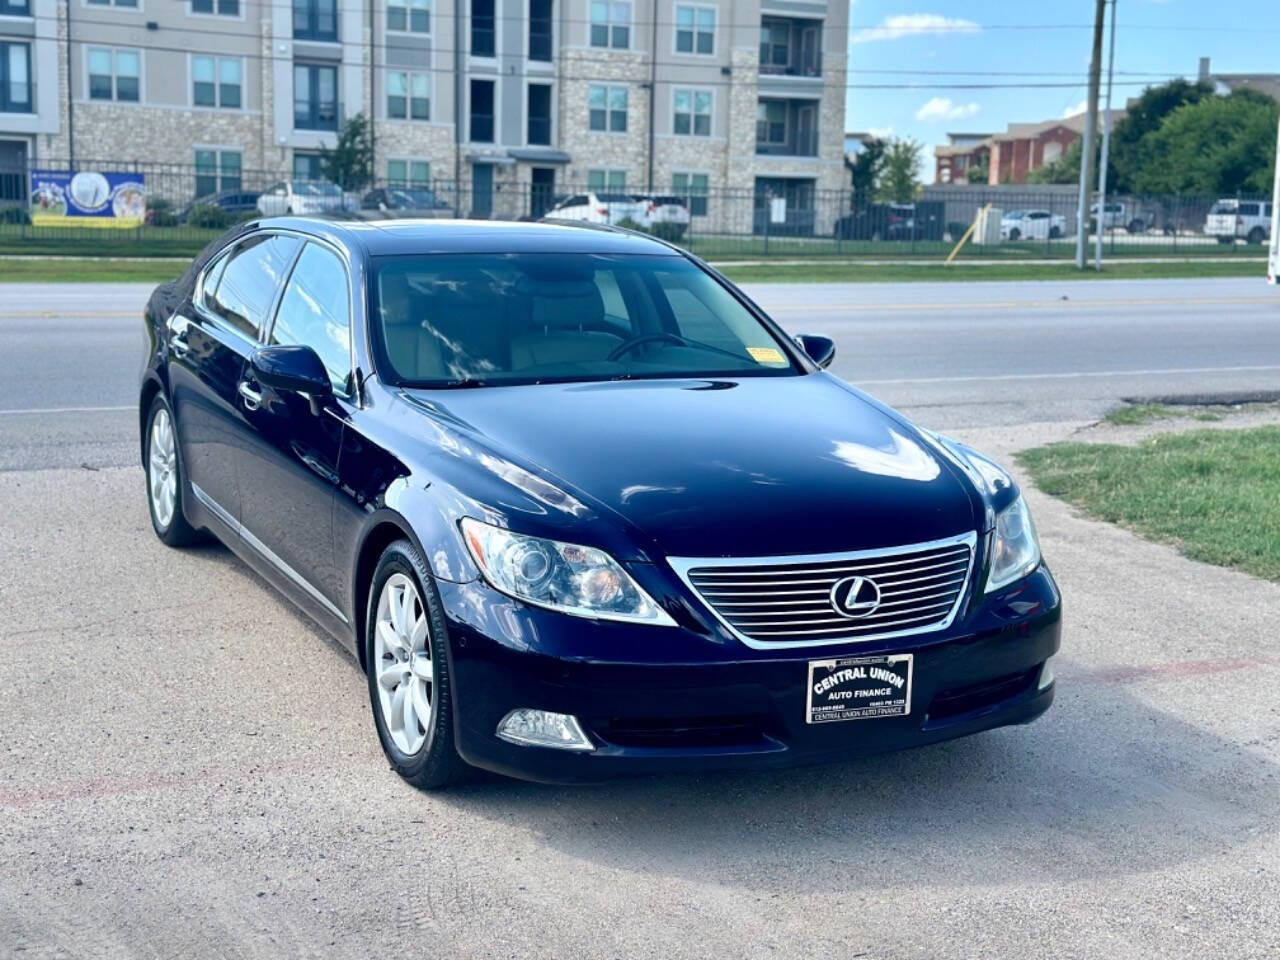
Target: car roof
x,y
382,238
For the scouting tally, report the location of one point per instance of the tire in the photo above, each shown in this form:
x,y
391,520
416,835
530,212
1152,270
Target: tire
x,y
1137,226
1226,240
1257,235
162,463
1015,235
1055,233
423,754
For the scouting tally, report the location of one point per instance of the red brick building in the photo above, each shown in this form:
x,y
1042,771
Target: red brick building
x,y
1011,155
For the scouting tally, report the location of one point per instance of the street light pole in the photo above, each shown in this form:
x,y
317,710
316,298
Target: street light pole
x,y
1106,143
1091,123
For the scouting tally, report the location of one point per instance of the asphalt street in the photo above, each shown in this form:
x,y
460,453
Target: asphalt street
x,y
949,355
188,767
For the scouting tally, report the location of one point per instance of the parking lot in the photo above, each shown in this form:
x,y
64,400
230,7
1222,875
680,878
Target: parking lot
x,y
189,765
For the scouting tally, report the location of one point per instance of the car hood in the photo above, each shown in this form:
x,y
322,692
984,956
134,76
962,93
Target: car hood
x,y
756,466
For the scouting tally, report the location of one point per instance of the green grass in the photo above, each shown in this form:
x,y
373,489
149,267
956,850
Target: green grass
x,y
854,272
1215,494
1136,414
89,271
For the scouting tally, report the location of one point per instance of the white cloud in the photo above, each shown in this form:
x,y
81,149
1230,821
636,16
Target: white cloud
x,y
1075,108
914,25
941,108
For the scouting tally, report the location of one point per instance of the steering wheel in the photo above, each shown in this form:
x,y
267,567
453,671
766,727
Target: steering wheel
x,y
623,349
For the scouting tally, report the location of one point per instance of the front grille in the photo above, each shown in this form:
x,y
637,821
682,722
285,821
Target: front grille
x,y
783,601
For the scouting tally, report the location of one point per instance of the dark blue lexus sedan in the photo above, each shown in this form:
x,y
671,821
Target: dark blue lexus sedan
x,y
579,507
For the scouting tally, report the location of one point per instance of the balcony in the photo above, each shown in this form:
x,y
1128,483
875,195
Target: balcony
x,y
786,128
790,47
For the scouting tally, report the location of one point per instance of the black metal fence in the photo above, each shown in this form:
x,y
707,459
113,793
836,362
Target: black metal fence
x,y
183,207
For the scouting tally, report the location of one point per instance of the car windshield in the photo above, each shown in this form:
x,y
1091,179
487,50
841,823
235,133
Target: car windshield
x,y
1224,206
317,190
412,198
495,319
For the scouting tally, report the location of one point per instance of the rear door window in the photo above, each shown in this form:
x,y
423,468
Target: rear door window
x,y
250,280
1248,210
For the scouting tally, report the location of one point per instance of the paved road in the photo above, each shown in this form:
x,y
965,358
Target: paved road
x,y
950,355
187,766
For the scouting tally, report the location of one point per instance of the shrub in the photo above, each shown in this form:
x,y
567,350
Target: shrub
x,y
14,215
671,232
628,224
209,216
160,213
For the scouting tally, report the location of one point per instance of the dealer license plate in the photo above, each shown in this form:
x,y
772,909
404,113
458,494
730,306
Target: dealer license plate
x,y
858,688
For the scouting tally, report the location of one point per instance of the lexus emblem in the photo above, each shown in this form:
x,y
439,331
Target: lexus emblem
x,y
855,597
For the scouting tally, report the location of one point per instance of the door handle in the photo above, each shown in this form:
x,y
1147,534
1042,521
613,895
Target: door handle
x,y
251,397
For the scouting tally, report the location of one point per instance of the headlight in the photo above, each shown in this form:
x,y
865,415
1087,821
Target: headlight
x,y
1015,551
582,581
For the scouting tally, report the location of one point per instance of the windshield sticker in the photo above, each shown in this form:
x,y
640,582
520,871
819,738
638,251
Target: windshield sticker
x,y
766,355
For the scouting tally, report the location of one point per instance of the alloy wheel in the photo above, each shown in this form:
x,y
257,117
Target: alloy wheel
x,y
402,664
162,468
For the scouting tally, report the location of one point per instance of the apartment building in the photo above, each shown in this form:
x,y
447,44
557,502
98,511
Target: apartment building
x,y
505,98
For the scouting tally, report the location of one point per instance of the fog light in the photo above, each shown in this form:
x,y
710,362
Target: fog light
x,y
540,728
1046,674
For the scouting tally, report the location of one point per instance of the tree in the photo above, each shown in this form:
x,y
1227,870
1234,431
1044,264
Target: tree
x,y
865,171
1216,146
981,173
1144,116
1066,169
900,180
350,163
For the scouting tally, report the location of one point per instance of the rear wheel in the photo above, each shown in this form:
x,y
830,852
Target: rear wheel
x,y
408,671
1015,234
1055,233
1257,235
164,478
1137,226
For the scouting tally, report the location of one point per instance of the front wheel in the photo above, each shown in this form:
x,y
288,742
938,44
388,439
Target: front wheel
x,y
164,477
408,671
1055,233
1014,235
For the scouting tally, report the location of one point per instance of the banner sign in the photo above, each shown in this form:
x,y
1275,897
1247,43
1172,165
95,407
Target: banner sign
x,y
87,198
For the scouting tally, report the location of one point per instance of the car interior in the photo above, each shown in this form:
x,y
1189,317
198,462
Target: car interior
x,y
482,318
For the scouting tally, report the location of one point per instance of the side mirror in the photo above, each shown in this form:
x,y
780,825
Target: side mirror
x,y
292,367
821,350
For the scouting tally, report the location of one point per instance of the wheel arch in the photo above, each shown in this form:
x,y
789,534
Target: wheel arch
x,y
151,386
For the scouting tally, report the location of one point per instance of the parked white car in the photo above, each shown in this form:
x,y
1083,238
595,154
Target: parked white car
x,y
664,209
1120,215
1230,220
1032,225
301,197
607,208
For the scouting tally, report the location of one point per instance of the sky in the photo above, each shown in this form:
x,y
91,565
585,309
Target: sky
x,y
935,47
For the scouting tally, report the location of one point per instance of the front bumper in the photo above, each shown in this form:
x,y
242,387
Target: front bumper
x,y
728,706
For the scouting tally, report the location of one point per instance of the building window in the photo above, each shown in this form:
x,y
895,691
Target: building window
x,y
15,8
481,111
771,122
483,23
693,113
113,74
775,46
409,96
315,97
307,166
607,109
539,115
217,170
114,3
607,181
221,8
315,19
215,82
611,24
540,30
695,29
693,188
15,78
412,174
409,16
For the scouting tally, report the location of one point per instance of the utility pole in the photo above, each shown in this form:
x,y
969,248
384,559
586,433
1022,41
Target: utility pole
x,y
1106,143
1091,123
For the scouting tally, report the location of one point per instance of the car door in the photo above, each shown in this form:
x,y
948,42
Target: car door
x,y
210,341
289,466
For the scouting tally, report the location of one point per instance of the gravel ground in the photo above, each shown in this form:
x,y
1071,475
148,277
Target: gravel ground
x,y
198,776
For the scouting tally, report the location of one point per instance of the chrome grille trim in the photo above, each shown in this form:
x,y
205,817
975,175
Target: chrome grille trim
x,y
773,603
